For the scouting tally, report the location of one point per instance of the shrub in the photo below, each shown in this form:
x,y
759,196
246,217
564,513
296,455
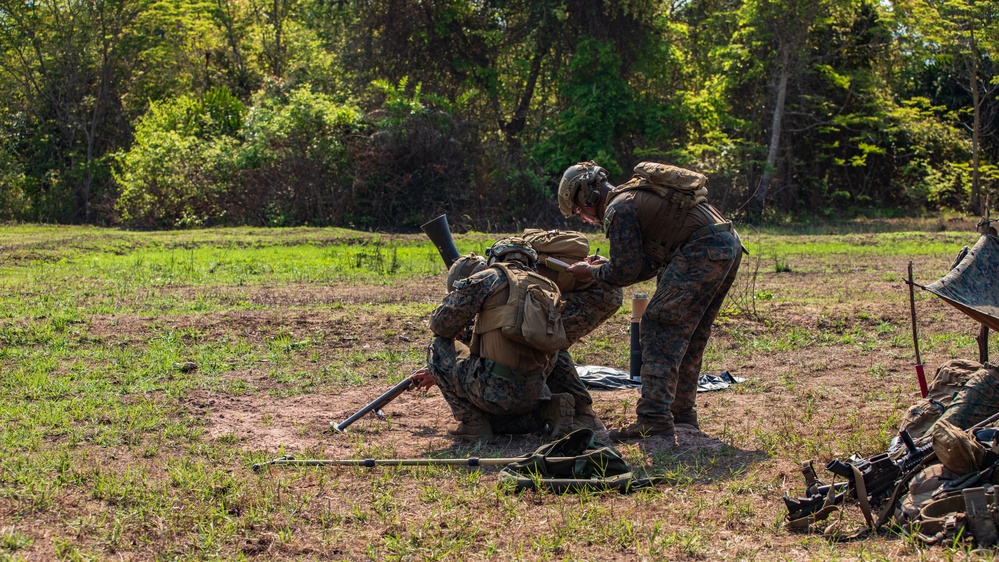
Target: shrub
x,y
294,165
176,172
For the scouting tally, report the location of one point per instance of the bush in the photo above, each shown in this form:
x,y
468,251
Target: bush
x,y
13,199
294,165
176,173
210,161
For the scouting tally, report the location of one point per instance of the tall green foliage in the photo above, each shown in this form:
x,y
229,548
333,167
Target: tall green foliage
x,y
281,162
599,106
177,171
959,42
65,66
249,112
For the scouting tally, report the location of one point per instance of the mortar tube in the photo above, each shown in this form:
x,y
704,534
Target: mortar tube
x,y
638,303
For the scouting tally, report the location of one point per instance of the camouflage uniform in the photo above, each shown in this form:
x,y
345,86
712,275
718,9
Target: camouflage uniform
x,y
468,382
588,308
977,400
584,311
677,323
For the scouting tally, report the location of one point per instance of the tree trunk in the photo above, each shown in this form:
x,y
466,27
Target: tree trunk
x,y
976,131
278,16
759,199
516,125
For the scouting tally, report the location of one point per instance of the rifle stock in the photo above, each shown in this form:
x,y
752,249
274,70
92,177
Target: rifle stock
x,y
880,474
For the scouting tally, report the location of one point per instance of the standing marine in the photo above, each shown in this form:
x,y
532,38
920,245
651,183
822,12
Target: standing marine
x,y
659,224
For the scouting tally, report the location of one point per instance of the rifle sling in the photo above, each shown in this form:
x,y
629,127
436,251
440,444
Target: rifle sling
x,y
900,487
865,507
808,520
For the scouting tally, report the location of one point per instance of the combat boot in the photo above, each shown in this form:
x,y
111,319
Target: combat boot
x,y
559,413
587,418
688,418
642,429
475,430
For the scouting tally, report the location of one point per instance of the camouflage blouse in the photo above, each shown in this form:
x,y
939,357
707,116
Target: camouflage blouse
x,y
628,263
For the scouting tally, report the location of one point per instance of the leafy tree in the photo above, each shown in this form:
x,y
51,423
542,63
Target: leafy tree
x,y
963,35
178,171
63,65
294,165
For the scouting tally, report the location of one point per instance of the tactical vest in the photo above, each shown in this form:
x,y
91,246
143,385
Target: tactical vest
x,y
500,313
664,223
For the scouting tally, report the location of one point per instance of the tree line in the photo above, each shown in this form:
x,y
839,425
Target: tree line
x,y
383,113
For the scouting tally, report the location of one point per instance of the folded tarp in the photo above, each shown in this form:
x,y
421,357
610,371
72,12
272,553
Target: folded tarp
x,y
597,377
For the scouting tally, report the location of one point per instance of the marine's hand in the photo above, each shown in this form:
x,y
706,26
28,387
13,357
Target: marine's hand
x,y
581,271
424,380
595,259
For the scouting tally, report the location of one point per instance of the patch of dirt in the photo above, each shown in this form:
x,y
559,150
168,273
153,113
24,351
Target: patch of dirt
x,y
816,383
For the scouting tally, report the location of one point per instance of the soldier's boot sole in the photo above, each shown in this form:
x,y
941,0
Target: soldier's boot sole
x,y
559,414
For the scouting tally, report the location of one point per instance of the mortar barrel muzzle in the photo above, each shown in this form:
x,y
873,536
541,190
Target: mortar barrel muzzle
x,y
440,234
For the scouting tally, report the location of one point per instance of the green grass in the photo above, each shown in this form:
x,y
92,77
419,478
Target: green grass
x,y
107,454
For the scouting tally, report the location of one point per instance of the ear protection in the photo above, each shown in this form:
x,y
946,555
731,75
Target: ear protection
x,y
588,183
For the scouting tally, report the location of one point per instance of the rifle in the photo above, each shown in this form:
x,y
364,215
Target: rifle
x,y
377,404
872,478
880,477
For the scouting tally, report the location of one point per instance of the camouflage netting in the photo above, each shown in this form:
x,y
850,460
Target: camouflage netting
x,y
972,286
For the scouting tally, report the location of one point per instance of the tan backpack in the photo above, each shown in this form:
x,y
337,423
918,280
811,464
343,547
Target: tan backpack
x,y
948,380
532,314
568,246
682,187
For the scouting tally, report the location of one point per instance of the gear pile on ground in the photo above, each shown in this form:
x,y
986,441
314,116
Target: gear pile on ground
x,y
937,481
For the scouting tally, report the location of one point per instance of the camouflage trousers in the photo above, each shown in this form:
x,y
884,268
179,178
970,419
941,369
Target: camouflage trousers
x,y
473,391
677,324
977,399
584,311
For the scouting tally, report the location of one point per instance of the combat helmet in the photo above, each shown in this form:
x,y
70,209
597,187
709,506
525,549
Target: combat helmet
x,y
579,183
463,267
513,248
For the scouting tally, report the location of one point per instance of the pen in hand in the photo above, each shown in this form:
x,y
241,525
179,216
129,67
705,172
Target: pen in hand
x,y
595,258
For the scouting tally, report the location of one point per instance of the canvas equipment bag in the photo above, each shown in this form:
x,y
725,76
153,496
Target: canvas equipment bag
x,y
921,489
959,514
584,464
976,400
532,314
945,384
569,246
956,448
681,187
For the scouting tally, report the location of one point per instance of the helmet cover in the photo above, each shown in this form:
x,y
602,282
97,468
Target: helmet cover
x,y
463,267
513,248
579,183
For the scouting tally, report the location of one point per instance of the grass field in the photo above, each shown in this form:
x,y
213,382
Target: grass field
x,y
142,374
